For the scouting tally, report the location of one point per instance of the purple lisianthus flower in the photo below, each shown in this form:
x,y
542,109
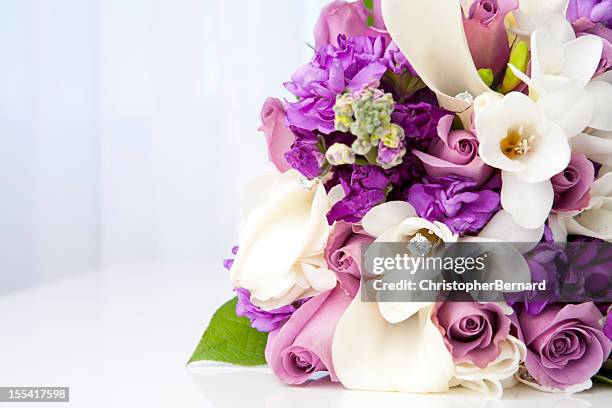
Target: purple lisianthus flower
x,y
566,345
354,64
543,262
305,154
364,187
589,269
419,120
456,201
263,321
590,11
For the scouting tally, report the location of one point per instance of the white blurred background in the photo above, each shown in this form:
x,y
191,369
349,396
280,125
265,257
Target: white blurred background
x,y
129,127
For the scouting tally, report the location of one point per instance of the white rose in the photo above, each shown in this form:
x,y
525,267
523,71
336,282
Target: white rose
x,y
280,255
594,221
497,375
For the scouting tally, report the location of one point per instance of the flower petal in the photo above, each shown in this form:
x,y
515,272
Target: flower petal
x,y
529,203
441,57
502,227
571,108
582,57
386,215
601,94
595,147
551,155
409,357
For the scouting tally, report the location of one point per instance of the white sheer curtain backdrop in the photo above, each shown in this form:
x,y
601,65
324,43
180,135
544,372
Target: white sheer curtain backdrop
x,y
128,127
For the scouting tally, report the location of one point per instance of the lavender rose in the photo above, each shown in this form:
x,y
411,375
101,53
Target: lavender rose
x,y
343,254
341,17
472,331
302,346
565,344
572,185
486,33
454,152
278,136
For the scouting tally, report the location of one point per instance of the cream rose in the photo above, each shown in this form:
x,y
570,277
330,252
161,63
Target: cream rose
x,y
280,255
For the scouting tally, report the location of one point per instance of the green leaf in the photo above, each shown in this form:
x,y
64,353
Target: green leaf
x,y
486,74
231,339
604,376
369,4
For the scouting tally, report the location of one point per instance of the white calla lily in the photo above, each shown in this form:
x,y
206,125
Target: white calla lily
x,y
280,255
415,26
594,221
409,356
497,375
397,221
517,137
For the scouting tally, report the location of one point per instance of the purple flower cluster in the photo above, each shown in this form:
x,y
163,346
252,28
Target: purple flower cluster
x,y
305,153
364,187
356,63
456,201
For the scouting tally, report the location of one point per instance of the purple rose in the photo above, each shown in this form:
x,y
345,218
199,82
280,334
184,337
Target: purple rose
x,y
343,254
305,154
572,185
302,346
278,136
472,331
364,187
454,152
456,201
565,344
419,120
486,33
341,17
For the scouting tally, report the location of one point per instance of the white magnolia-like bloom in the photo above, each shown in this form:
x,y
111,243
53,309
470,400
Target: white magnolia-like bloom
x,y
594,221
562,62
497,375
280,255
531,13
517,137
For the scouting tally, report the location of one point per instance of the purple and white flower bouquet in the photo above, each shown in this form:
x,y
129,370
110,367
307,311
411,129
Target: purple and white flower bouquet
x,y
428,123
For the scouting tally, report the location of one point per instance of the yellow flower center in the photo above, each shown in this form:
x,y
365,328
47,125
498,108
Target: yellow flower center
x,y
516,143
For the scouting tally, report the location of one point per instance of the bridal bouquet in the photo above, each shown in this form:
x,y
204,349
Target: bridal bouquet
x,y
426,122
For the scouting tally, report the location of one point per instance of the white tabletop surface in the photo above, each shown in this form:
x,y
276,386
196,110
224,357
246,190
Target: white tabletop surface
x,y
120,337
